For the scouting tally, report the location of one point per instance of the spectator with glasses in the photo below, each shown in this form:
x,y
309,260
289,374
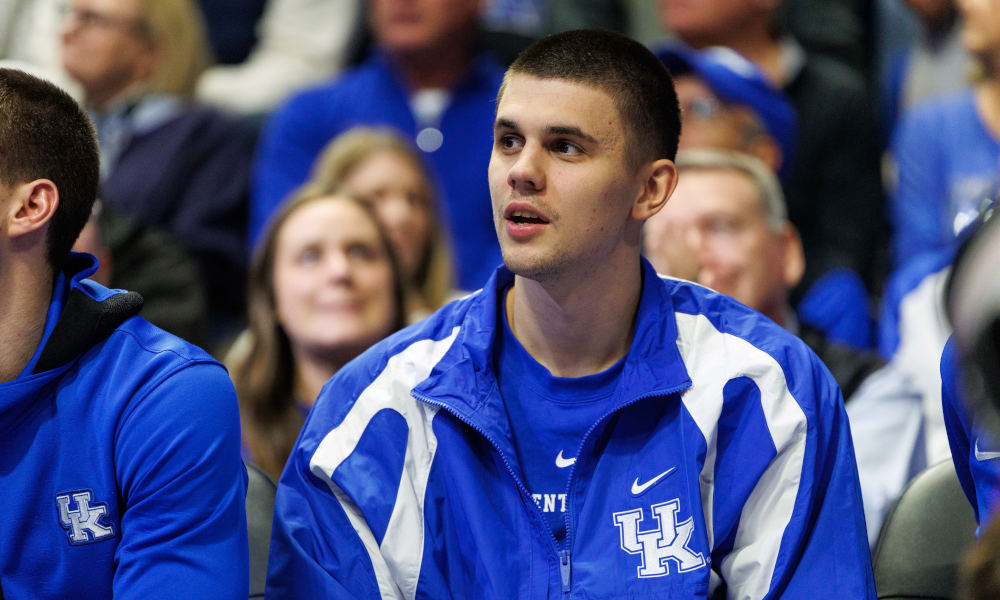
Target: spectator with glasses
x,y
165,161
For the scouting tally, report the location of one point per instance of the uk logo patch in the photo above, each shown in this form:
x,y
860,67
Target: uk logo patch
x,y
81,517
658,547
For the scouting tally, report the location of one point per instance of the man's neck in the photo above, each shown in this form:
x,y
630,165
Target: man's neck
x,y
756,44
25,293
437,68
577,326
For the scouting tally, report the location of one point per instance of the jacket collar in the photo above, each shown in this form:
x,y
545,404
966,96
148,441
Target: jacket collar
x,y
464,381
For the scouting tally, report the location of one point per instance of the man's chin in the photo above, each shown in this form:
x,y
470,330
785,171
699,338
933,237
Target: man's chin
x,y
536,266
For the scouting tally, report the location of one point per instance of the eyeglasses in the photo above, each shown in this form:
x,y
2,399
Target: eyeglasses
x,y
703,108
92,19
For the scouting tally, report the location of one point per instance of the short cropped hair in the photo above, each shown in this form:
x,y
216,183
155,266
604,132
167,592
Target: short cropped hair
x,y
772,200
44,134
639,83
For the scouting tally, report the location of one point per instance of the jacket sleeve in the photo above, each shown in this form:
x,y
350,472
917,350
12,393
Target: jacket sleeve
x,y
316,551
183,487
791,524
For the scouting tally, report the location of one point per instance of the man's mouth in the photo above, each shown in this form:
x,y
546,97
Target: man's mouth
x,y
525,217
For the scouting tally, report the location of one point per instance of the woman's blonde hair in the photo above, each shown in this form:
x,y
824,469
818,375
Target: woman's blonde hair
x,y
432,282
176,29
263,369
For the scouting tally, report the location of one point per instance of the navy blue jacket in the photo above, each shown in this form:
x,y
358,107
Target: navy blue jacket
x,y
119,460
191,178
404,482
373,95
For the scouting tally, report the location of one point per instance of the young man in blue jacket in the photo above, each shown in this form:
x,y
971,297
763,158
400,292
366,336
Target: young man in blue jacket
x,y
119,443
580,427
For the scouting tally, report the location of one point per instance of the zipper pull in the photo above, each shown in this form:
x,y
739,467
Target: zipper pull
x,y
566,569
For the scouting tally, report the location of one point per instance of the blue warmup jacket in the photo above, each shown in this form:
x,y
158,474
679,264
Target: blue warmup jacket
x,y
973,450
725,458
373,95
119,460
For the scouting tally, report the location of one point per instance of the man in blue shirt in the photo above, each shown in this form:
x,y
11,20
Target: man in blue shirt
x,y
694,443
423,79
119,443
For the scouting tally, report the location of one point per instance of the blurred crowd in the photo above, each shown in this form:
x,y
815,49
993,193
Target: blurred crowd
x,y
287,182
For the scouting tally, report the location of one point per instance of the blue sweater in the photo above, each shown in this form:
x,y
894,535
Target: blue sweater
x,y
373,95
119,459
947,163
724,454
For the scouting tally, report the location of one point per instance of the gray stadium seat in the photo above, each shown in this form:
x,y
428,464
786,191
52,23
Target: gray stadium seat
x,y
260,510
924,537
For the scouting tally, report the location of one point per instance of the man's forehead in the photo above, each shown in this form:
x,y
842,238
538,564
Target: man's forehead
x,y
715,191
530,101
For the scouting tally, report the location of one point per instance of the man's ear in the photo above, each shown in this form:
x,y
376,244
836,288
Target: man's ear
x,y
660,182
31,207
795,256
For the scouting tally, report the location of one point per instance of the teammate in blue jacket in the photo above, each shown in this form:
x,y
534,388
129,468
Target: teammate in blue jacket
x,y
119,443
580,427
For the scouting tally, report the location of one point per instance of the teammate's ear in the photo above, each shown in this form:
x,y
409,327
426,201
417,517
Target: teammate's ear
x,y
661,179
31,207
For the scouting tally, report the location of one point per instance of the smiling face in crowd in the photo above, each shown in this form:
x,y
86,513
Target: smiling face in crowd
x,y
714,231
105,48
707,22
333,281
562,192
396,189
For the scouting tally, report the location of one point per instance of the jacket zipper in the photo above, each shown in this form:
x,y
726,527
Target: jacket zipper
x,y
565,555
570,493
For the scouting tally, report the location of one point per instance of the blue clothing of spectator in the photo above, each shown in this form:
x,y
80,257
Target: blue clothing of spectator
x,y
232,27
457,149
975,454
837,305
119,459
900,284
947,162
549,419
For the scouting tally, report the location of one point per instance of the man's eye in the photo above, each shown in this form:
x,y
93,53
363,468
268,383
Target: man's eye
x,y
509,142
564,147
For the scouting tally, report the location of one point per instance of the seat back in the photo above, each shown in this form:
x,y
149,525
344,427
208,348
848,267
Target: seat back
x,y
261,490
924,537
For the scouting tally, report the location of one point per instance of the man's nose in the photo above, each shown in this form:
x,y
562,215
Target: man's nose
x,y
527,174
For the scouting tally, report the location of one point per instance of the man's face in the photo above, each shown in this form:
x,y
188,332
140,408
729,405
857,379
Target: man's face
x,y
714,231
706,21
103,47
415,25
562,193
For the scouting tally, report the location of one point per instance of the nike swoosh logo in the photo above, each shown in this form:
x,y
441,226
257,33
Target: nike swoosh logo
x,y
985,455
638,490
562,463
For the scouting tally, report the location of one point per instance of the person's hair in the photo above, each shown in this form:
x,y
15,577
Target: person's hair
x,y
263,373
45,135
772,200
432,283
177,29
639,83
